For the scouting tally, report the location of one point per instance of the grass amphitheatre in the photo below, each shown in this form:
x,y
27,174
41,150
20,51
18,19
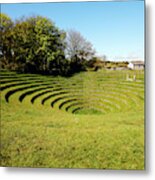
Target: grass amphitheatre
x,y
90,120
67,102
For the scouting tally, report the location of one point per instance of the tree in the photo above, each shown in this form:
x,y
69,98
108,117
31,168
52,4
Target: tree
x,y
37,42
6,26
78,46
36,45
60,66
96,63
78,50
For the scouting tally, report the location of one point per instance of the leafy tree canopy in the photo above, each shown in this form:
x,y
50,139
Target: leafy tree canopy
x,y
6,25
37,41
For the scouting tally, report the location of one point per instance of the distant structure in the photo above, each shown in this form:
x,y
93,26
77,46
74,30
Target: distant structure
x,y
136,65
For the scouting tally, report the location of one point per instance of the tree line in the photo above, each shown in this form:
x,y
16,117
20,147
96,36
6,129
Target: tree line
x,y
36,45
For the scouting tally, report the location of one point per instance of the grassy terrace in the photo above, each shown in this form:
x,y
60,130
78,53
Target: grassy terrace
x,y
93,119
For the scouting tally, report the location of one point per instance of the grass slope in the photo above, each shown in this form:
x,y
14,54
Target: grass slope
x,y
91,120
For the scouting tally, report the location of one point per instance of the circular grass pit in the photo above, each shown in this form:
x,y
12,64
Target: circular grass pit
x,y
88,111
86,93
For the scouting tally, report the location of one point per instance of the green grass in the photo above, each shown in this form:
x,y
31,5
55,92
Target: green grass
x,y
91,120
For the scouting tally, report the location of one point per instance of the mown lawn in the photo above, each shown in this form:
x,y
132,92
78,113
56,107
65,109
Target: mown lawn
x,y
112,137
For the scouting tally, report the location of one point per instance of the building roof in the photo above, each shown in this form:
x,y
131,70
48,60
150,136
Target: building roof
x,y
137,62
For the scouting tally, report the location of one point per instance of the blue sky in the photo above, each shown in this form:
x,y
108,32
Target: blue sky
x,y
116,29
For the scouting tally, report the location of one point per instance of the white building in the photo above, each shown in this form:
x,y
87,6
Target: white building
x,y
136,65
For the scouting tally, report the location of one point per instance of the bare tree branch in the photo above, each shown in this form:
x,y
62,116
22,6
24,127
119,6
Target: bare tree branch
x,y
78,46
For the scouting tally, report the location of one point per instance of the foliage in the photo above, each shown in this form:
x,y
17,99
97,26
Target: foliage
x,y
78,46
96,63
6,25
60,66
37,42
36,45
31,44
78,50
